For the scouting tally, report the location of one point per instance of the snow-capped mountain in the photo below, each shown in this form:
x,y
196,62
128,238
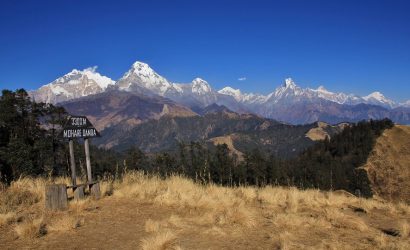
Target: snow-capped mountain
x,y
288,102
340,98
235,93
141,78
77,83
201,87
246,98
378,98
289,92
405,104
197,93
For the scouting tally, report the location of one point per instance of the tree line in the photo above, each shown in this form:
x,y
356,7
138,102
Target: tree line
x,y
31,145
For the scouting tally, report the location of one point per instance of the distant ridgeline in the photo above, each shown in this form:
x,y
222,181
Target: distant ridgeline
x,y
31,145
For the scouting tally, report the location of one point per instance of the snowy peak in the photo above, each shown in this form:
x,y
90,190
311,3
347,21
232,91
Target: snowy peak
x,y
75,84
141,76
375,95
141,69
340,98
289,83
200,86
322,89
235,93
248,98
289,86
102,81
378,98
139,64
405,104
76,77
287,90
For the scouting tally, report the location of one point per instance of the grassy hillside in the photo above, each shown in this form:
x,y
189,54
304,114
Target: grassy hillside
x,y
388,165
146,212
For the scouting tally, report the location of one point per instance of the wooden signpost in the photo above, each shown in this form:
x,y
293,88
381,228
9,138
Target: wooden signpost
x,y
76,127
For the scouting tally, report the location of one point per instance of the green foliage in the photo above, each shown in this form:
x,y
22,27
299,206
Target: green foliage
x,y
25,146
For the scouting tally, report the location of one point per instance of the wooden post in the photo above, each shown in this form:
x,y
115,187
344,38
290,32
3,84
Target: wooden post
x,y
56,197
78,192
87,159
72,163
95,190
94,186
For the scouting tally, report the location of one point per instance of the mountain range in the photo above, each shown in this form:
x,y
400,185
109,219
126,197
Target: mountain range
x,y
288,102
218,125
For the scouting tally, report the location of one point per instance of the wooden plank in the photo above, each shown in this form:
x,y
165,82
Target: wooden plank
x,y
72,163
56,197
84,184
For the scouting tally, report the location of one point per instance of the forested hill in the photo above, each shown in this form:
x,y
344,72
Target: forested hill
x,y
246,131
30,145
337,163
26,147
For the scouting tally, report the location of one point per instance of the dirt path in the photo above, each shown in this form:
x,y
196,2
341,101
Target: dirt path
x,y
119,223
114,224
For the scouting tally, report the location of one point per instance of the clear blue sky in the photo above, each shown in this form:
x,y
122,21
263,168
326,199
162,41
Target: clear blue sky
x,y
351,46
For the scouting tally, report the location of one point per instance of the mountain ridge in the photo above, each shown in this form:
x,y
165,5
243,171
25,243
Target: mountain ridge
x,y
142,79
151,80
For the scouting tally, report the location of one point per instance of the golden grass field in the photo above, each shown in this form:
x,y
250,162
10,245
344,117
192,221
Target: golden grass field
x,y
147,212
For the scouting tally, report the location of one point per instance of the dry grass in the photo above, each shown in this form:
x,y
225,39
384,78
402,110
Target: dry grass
x,y
64,222
22,208
404,229
235,210
152,226
164,240
7,218
283,218
16,197
281,240
31,228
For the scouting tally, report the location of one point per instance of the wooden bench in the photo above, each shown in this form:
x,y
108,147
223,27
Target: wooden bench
x,y
79,189
56,194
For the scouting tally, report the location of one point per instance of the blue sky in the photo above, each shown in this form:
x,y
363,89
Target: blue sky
x,y
351,46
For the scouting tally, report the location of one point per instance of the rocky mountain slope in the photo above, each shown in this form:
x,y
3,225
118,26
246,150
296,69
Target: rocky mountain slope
x,y
160,124
124,109
246,132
